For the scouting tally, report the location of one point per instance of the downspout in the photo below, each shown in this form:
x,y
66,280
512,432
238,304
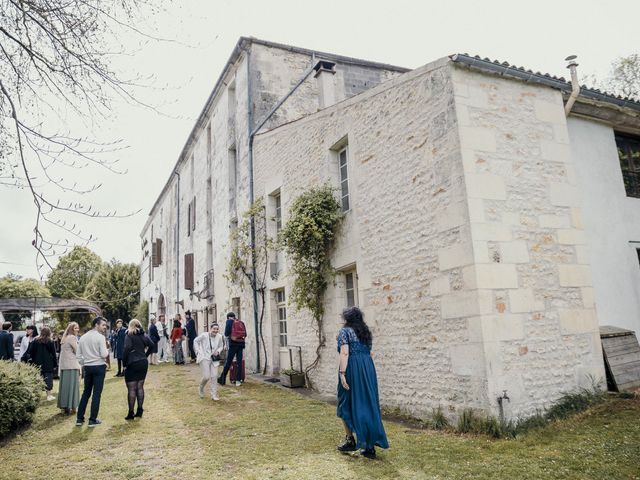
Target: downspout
x,y
252,230
575,86
252,134
177,239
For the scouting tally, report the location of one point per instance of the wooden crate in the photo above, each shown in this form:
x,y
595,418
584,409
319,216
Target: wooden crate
x,y
621,357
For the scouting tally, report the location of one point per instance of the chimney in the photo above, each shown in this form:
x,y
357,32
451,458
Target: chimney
x,y
326,77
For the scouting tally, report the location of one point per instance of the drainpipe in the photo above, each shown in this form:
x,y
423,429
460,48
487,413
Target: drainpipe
x,y
252,134
177,240
575,86
252,230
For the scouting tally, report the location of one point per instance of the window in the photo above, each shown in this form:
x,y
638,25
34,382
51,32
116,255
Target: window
x,y
235,307
629,155
351,288
281,305
278,200
638,252
344,179
191,216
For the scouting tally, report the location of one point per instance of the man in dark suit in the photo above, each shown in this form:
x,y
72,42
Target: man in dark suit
x,y
191,334
6,342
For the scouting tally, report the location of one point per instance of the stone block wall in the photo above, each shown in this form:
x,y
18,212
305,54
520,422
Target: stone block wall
x,y
539,327
407,234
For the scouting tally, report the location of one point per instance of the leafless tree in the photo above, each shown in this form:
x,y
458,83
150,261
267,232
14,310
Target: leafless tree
x,y
55,70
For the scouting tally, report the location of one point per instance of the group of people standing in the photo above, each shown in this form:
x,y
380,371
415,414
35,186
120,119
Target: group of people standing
x,y
357,393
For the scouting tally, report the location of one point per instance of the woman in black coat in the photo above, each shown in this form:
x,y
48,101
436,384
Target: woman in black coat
x,y
42,353
137,347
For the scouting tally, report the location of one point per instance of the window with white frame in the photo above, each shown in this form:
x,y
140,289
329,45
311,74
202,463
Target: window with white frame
x,y
343,156
351,288
281,305
278,201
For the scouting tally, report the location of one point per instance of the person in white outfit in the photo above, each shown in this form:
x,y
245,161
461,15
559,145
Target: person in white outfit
x,y
164,345
208,347
32,332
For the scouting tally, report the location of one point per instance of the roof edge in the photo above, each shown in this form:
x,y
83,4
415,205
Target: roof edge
x,y
505,69
242,44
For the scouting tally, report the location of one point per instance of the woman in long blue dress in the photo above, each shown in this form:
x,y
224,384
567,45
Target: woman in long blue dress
x,y
358,401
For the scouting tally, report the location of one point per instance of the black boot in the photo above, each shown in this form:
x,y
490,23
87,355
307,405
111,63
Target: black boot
x,y
139,412
369,453
349,444
130,415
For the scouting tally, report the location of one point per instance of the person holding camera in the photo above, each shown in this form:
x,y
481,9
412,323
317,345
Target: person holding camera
x,y
209,347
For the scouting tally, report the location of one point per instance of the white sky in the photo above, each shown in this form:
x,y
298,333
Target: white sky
x,y
536,35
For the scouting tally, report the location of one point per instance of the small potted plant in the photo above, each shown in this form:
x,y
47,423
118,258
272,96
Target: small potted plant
x,y
292,378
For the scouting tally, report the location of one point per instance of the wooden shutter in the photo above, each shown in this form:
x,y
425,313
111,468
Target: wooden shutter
x,y
159,250
188,271
154,254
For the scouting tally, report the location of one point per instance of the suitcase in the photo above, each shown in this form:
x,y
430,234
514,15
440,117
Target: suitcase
x,y
233,371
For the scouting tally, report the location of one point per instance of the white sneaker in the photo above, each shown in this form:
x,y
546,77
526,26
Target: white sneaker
x,y
201,391
215,399
50,397
238,384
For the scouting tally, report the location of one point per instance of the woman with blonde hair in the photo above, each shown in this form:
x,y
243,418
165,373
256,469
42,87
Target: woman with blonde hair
x,y
137,347
69,387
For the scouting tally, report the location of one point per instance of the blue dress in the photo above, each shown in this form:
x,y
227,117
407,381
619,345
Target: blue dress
x,y
359,407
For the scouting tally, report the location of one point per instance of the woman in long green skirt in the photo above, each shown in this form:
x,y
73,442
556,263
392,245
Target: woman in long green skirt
x,y
69,388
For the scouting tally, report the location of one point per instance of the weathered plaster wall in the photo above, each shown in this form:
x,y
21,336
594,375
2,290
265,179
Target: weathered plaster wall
x,y
207,161
407,234
611,220
539,326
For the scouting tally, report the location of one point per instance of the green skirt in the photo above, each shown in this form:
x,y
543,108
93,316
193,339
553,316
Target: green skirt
x,y
69,389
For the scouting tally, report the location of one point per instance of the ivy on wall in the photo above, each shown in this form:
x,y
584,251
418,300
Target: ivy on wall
x,y
307,238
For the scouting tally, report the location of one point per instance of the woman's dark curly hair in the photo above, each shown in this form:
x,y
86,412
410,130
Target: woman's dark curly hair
x,y
354,319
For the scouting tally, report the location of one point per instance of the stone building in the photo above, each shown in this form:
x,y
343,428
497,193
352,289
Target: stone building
x,y
482,225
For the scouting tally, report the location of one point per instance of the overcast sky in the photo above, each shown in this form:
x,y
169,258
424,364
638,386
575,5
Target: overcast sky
x,y
536,35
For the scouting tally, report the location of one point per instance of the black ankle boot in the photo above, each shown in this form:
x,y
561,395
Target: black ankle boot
x,y
130,416
349,444
139,412
369,452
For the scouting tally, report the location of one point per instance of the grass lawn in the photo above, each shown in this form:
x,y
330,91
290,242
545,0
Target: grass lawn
x,y
260,431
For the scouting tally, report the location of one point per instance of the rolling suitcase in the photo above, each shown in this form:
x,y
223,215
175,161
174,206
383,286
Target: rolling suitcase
x,y
233,371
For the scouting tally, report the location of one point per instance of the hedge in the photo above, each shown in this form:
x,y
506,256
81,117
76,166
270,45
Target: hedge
x,y
20,388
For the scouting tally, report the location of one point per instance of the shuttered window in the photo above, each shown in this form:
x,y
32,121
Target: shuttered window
x,y
156,253
188,271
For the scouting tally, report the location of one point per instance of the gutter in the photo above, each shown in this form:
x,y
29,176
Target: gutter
x,y
177,239
509,71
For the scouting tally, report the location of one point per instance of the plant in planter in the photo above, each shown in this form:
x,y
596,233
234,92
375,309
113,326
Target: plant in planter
x,y
292,378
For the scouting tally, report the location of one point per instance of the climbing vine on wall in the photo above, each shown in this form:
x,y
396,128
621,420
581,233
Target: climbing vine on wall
x,y
307,238
244,255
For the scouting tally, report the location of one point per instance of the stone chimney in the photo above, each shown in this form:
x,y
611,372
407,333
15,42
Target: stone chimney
x,y
326,77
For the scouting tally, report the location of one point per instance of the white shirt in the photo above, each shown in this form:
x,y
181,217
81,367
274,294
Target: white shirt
x,y
92,349
24,345
205,345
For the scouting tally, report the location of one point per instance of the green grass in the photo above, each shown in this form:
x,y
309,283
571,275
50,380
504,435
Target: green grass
x,y
260,431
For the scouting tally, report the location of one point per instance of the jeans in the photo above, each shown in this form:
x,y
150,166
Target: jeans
x,y
93,381
192,351
235,350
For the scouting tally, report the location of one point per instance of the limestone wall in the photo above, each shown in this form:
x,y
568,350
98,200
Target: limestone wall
x,y
407,235
538,323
